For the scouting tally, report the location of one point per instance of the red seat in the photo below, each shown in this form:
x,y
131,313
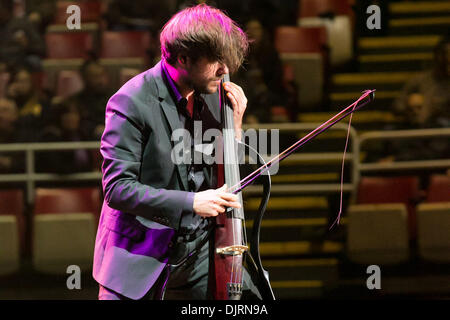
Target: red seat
x,y
64,228
404,190
439,189
124,44
290,39
68,83
314,8
67,200
66,45
12,203
90,11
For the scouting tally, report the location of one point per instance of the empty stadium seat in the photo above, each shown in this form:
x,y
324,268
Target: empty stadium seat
x,y
290,39
405,190
9,244
68,45
67,200
303,49
64,227
433,231
124,44
12,230
90,11
63,239
68,83
439,189
377,234
337,17
340,36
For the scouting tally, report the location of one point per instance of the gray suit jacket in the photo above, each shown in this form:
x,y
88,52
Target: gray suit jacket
x,y
145,192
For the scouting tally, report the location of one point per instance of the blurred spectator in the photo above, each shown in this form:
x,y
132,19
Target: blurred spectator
x,y
13,130
20,42
138,14
40,13
261,78
68,126
425,99
94,96
423,103
31,102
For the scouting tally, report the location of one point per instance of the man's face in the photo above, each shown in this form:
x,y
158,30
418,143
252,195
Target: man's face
x,y
96,78
23,84
8,113
204,76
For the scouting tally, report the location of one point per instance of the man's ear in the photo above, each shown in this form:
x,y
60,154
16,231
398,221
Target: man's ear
x,y
182,60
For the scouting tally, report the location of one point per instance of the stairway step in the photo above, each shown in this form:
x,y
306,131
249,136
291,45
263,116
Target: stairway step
x,y
395,57
428,41
411,61
382,103
281,203
419,25
293,222
295,248
419,7
344,79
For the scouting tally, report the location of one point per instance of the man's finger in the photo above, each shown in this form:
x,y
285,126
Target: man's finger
x,y
228,196
219,209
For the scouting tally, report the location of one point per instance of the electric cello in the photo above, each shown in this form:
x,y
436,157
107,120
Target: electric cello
x,y
230,248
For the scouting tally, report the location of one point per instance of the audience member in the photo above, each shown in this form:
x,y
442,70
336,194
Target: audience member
x,y
40,13
425,99
68,127
423,103
20,42
29,99
13,129
94,96
261,77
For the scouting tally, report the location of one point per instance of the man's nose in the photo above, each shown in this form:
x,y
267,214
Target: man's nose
x,y
223,69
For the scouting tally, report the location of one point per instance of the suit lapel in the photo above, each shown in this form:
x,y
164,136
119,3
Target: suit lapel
x,y
171,113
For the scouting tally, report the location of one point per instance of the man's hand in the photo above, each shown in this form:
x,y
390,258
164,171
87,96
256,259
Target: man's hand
x,y
239,102
212,202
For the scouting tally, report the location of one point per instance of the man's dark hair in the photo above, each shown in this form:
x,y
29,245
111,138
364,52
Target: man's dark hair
x,y
204,31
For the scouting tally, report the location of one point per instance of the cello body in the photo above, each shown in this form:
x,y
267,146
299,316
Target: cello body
x,y
230,241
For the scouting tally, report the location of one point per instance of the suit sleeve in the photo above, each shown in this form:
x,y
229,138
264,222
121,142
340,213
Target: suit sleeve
x,y
122,147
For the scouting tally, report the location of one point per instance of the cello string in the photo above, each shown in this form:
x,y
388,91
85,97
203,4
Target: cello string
x,y
227,155
342,173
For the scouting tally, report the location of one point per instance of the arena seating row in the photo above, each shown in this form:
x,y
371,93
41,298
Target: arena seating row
x,y
390,214
306,49
62,229
380,225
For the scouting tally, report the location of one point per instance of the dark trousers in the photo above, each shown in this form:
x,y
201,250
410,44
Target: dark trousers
x,y
187,280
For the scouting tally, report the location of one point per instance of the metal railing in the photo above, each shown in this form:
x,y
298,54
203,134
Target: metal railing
x,y
351,156
30,177
403,165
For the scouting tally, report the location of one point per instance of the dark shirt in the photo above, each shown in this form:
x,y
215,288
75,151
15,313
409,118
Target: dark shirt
x,y
198,178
